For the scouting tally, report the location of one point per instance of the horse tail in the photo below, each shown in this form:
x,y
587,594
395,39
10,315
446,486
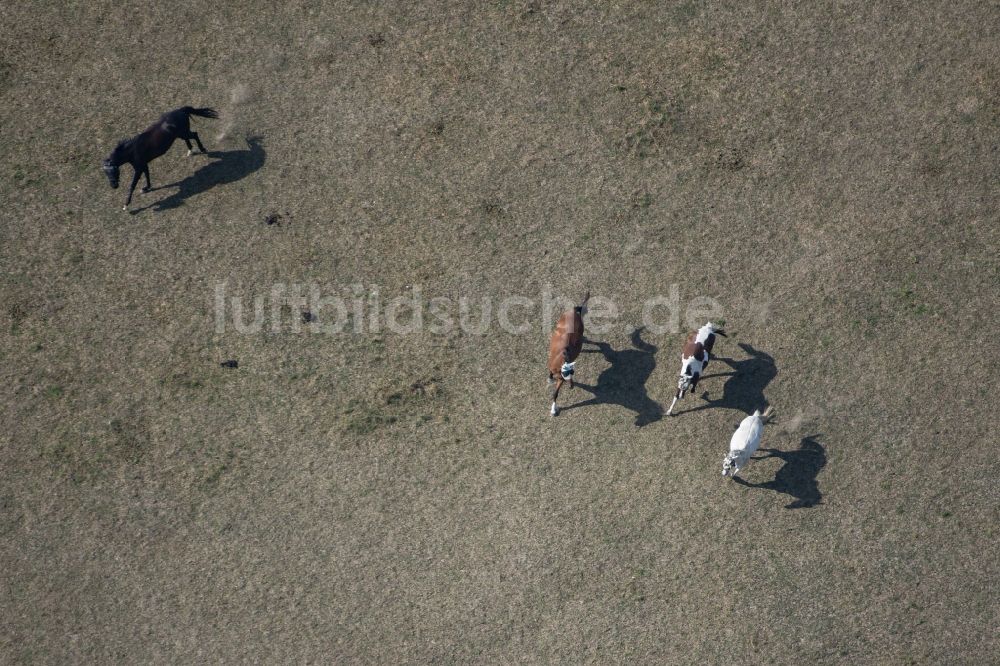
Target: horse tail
x,y
204,112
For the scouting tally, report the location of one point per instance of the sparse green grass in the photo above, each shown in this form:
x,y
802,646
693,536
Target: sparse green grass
x,y
364,419
911,302
660,116
366,415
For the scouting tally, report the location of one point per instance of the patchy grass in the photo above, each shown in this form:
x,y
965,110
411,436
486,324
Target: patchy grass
x,y
827,176
661,116
390,405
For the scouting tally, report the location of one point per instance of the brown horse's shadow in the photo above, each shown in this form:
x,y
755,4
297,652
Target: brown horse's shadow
x,y
744,390
227,166
624,382
797,477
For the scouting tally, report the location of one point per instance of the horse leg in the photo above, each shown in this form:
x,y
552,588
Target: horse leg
x,y
555,396
131,188
149,186
676,395
194,135
188,142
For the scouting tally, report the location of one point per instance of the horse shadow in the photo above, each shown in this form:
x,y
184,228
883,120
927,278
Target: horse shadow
x,y
797,477
624,382
228,166
744,390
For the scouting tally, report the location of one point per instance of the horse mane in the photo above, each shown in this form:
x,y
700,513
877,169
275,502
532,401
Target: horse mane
x,y
122,145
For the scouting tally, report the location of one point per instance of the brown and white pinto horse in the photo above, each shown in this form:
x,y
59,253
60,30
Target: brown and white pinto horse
x,y
694,359
564,347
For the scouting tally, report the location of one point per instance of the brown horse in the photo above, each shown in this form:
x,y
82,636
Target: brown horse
x,y
564,347
694,359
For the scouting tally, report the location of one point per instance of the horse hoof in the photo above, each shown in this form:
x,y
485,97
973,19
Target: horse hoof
x,y
125,208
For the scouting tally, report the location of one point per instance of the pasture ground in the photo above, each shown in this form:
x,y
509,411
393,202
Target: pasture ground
x,y
826,171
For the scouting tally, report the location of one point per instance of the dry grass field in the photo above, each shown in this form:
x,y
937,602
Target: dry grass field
x,y
827,172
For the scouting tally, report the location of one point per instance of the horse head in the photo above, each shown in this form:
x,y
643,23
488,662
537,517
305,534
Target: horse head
x,y
727,464
683,383
111,171
114,160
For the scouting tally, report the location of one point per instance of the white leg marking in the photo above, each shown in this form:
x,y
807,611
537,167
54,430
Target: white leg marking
x,y
125,207
190,153
672,406
554,410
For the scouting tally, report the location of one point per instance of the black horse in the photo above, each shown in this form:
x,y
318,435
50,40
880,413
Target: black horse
x,y
140,150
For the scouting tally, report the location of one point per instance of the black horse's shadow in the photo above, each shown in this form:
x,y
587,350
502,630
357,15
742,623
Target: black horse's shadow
x,y
797,477
624,383
227,166
744,390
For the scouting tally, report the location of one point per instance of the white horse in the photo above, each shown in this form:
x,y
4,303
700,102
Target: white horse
x,y
744,442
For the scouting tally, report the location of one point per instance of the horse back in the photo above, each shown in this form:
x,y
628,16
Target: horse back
x,y
568,336
155,140
692,348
